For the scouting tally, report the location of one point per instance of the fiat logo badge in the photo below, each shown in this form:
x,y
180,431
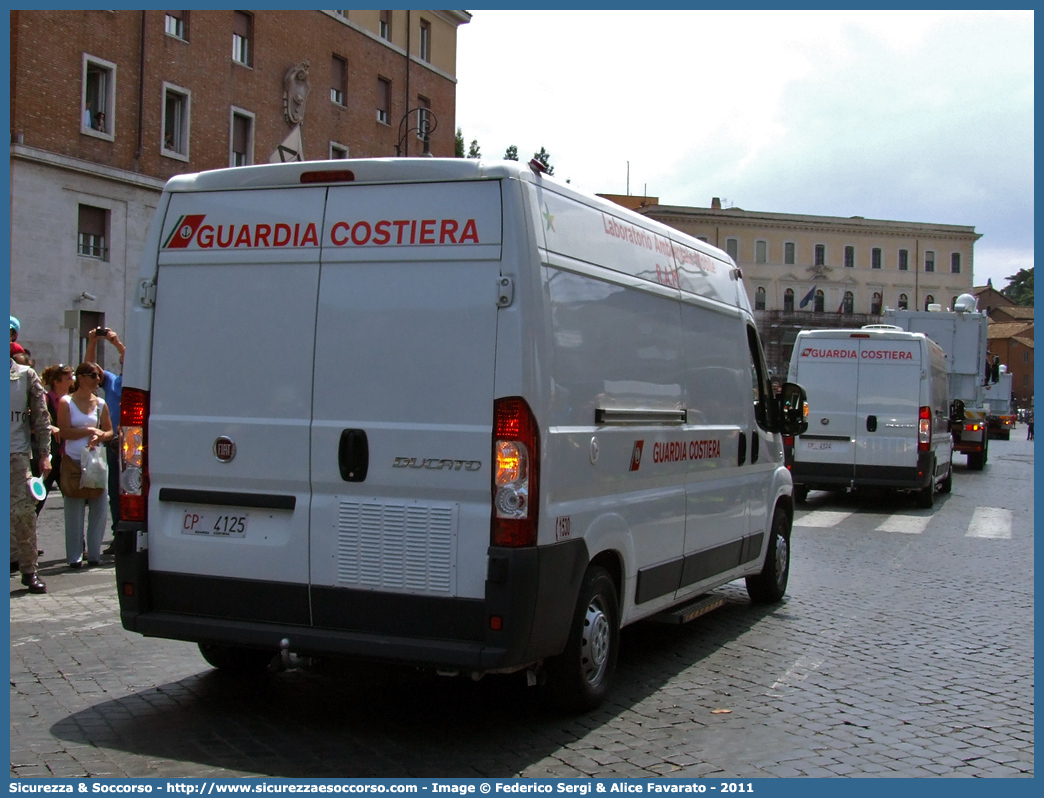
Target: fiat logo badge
x,y
224,448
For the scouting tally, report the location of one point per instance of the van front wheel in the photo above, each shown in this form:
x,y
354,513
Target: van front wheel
x,y
579,677
770,585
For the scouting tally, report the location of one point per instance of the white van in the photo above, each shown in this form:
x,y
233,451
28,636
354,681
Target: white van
x,y
878,412
441,412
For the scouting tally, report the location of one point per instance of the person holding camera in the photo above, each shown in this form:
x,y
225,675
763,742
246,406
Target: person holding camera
x,y
113,388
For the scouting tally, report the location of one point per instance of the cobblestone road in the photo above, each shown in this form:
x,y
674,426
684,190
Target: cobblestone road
x,y
904,648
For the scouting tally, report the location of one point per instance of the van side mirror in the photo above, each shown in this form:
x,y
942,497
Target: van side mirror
x,y
792,409
956,412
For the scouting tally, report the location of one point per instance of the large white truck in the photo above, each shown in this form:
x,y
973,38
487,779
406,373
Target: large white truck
x,y
962,334
440,412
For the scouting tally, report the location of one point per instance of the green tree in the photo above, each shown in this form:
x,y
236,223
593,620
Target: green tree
x,y
1020,288
511,153
474,151
545,158
458,144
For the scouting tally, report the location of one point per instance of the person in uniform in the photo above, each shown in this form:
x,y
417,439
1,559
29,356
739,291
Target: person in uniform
x,y
30,437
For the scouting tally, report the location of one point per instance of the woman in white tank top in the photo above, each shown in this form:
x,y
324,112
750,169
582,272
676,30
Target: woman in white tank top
x,y
83,420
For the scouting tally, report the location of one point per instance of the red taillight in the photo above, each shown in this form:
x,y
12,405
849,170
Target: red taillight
x,y
134,462
515,473
924,430
788,440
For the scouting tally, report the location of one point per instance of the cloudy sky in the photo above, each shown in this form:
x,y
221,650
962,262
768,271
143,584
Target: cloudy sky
x,y
908,116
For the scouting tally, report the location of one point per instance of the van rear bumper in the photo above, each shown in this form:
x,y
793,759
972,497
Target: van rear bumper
x,y
824,476
532,591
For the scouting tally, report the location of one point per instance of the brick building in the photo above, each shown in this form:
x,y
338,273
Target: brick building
x,y
106,106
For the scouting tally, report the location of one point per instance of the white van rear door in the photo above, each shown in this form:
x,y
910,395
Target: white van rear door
x,y
828,370
890,374
231,389
404,388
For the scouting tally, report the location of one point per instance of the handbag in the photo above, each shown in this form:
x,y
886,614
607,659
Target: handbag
x,y
95,470
69,481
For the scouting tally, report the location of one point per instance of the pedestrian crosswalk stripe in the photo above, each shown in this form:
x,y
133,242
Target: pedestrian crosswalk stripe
x,y
905,524
822,519
990,522
986,522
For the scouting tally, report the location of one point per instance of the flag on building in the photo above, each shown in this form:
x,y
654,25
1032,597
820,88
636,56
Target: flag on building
x,y
808,297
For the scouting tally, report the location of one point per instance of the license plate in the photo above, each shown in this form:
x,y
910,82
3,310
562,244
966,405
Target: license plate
x,y
818,446
214,523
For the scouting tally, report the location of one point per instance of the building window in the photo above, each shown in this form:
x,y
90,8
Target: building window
x,y
176,24
929,261
788,301
849,257
338,80
875,304
338,151
91,232
383,99
732,248
99,97
241,144
820,254
904,260
761,251
423,118
176,105
242,38
1025,356
385,26
955,263
875,258
929,300
425,41
904,302
848,303
789,252
759,299
819,301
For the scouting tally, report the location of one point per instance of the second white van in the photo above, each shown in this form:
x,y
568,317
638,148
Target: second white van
x,y
878,412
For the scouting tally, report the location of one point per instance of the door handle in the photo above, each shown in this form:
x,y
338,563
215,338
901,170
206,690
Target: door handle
x,y
871,423
353,455
742,449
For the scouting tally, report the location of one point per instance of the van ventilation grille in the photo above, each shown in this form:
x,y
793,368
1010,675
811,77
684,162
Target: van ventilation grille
x,y
397,547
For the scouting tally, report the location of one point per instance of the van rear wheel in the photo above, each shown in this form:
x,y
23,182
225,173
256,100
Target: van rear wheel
x,y
235,660
947,484
770,585
926,495
579,677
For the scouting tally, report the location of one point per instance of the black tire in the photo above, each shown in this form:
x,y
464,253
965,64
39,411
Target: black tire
x,y
976,460
235,660
800,494
579,677
926,495
770,585
947,484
